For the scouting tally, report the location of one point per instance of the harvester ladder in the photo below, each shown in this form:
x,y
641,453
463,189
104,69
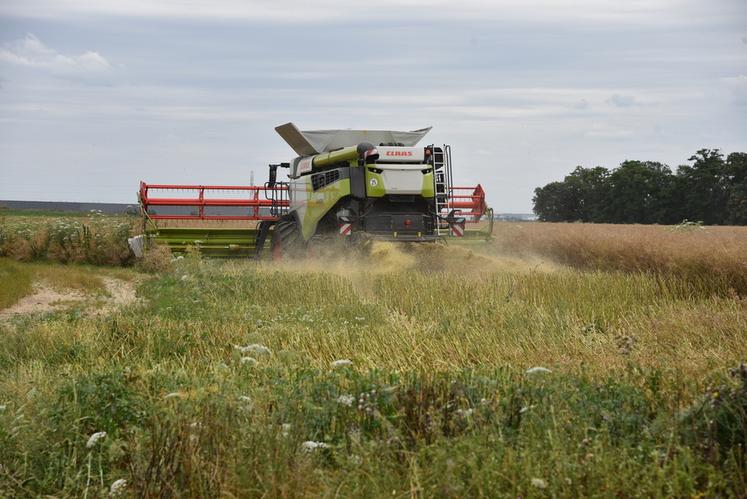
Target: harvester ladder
x,y
442,185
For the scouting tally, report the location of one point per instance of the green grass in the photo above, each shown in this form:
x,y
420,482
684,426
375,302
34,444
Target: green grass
x,y
16,282
437,402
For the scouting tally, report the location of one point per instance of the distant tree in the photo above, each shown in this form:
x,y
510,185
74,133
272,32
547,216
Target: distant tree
x,y
555,202
639,192
589,192
736,204
702,189
712,190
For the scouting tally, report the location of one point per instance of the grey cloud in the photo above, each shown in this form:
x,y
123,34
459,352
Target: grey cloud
x,y
618,100
301,11
582,104
196,100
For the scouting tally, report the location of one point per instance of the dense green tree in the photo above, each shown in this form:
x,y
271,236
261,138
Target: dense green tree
x,y
555,203
590,191
736,205
712,190
703,188
639,193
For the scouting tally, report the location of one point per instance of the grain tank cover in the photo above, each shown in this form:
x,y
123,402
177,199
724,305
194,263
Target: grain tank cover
x,y
310,142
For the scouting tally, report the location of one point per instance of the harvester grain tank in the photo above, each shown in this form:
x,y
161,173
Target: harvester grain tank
x,y
353,184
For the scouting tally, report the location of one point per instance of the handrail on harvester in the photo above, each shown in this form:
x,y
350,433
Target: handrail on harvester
x,y
275,198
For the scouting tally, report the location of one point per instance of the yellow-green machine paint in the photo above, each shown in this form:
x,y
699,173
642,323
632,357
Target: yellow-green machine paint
x,y
319,202
349,154
375,187
427,191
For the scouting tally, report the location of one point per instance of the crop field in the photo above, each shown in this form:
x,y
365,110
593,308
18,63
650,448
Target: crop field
x,y
557,360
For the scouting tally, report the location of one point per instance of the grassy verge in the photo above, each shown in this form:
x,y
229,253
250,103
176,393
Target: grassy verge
x,y
16,282
254,431
383,376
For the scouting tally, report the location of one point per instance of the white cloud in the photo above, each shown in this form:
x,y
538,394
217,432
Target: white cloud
x,y
30,52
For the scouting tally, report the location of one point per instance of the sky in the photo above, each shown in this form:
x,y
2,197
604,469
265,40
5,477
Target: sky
x,y
98,95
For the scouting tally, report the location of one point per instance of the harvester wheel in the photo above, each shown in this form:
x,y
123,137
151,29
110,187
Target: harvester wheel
x,y
286,238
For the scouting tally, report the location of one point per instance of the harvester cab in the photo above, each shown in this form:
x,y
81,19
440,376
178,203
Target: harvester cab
x,y
350,184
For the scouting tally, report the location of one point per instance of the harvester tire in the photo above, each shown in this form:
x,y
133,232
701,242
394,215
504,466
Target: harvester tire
x,y
286,238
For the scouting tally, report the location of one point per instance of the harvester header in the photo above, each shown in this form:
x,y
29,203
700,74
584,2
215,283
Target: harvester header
x,y
350,184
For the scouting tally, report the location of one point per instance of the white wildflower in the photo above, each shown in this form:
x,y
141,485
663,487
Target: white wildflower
x,y
246,403
539,483
310,445
117,487
465,413
342,363
346,400
360,319
94,439
3,407
185,277
249,360
285,429
538,370
253,348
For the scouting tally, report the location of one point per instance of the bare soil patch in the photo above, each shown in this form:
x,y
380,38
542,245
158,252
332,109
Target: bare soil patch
x,y
46,299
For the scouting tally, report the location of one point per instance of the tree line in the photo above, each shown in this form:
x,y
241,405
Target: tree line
x,y
712,190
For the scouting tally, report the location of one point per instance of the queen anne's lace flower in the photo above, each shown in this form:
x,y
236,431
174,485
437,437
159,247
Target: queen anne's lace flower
x,y
117,487
310,445
342,363
254,348
539,483
538,370
94,439
346,400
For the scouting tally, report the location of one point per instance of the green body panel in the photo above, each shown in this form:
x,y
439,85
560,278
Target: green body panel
x,y
377,191
427,191
319,202
349,154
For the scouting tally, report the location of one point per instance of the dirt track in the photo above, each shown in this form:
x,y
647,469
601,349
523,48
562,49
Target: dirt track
x,y
45,299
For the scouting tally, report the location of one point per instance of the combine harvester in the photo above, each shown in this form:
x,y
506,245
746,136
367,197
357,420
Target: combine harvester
x,y
351,184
